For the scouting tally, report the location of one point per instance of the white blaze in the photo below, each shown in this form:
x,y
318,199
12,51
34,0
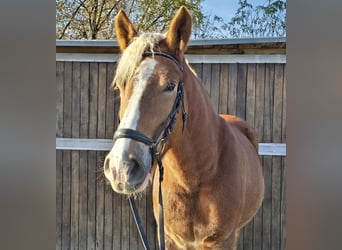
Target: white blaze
x,y
132,112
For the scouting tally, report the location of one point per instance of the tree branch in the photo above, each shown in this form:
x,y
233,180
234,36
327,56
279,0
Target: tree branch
x,y
71,19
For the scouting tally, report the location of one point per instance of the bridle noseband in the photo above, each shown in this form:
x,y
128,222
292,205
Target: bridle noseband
x,y
156,144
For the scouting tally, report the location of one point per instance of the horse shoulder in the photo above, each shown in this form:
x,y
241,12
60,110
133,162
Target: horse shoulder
x,y
244,127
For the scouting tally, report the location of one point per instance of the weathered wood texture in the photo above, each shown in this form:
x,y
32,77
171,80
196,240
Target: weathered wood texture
x,y
250,46
91,216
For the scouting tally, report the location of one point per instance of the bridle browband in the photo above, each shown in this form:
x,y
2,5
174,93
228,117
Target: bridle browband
x,y
156,144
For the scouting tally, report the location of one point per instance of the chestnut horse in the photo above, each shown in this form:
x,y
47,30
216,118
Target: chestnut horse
x,y
213,181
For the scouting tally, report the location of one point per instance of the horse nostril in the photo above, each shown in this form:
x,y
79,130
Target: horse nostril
x,y
106,166
135,166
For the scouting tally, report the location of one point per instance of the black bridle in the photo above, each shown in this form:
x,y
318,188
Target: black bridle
x,y
156,144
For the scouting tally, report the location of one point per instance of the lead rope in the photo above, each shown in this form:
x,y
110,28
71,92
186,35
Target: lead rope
x,y
160,213
160,206
139,223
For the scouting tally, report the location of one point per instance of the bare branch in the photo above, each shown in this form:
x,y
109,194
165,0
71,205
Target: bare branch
x,y
71,19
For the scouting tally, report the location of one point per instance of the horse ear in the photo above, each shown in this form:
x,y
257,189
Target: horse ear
x,y
178,35
124,30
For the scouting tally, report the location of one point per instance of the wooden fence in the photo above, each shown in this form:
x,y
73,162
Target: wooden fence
x,y
244,77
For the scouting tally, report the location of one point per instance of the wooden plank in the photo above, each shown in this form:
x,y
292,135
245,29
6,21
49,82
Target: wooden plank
x,y
223,91
283,123
117,221
83,206
102,94
276,161
215,85
277,103
241,91
92,170
110,98
108,217
276,200
206,76
91,218
109,233
66,237
283,206
59,154
258,126
232,88
259,104
267,137
126,224
283,172
67,100
240,241
268,103
66,234
84,144
250,93
267,204
76,89
75,157
248,236
60,98
243,59
59,198
101,131
75,199
192,58
84,117
93,98
276,149
197,67
100,205
257,230
84,109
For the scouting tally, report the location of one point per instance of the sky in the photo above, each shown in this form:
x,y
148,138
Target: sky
x,y
224,8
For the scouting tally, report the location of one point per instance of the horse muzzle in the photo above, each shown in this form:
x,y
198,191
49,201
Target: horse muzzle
x,y
127,176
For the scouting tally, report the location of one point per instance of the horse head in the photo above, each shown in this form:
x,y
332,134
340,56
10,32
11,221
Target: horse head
x,y
149,77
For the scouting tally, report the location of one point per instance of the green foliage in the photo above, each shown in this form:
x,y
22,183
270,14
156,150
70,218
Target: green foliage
x,y
93,19
267,20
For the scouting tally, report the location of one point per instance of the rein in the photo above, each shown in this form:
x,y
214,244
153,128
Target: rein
x,y
156,144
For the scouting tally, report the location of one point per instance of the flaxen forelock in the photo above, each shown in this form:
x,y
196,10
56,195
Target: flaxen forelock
x,y
133,55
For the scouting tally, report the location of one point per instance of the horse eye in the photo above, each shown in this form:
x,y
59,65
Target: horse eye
x,y
170,87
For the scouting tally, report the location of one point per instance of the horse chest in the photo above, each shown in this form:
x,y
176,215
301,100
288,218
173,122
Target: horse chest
x,y
191,219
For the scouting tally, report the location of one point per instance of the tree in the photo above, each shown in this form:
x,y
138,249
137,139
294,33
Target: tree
x,y
93,19
268,20
263,20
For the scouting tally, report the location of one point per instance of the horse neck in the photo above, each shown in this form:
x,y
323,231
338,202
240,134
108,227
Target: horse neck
x,y
193,148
